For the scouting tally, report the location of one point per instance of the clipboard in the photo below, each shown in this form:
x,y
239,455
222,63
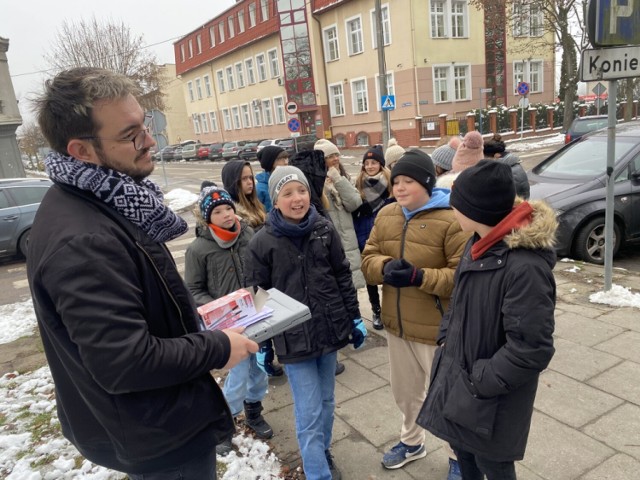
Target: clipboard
x,y
287,313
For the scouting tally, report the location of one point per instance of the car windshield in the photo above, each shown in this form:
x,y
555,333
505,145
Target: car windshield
x,y
585,126
584,159
229,145
264,143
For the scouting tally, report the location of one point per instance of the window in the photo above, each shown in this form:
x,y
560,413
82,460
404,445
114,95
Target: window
x,y
354,35
386,26
220,77
278,105
240,21
213,119
190,90
452,83
221,31
240,75
331,47
262,68
266,112
274,67
257,121
246,117
449,18
336,103
359,96
391,89
230,83
264,9
527,19
196,123
226,118
182,52
530,72
236,117
232,29
251,74
199,43
212,36
190,48
199,88
205,123
252,15
207,85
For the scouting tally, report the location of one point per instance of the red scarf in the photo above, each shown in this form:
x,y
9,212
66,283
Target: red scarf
x,y
519,217
224,234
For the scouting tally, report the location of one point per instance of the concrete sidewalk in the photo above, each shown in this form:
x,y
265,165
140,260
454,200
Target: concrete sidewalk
x,y
586,422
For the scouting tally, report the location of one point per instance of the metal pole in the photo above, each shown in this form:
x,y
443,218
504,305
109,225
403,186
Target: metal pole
x,y
522,116
382,71
480,97
611,156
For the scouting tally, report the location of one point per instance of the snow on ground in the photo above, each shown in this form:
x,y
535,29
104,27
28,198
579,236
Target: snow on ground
x,y
16,320
618,297
523,146
180,199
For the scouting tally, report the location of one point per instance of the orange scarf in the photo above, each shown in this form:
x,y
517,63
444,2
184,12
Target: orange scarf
x,y
224,234
519,217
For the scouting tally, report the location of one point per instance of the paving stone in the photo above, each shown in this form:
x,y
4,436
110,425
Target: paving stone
x,y
620,429
621,380
625,345
585,331
615,468
625,317
368,460
371,357
570,401
358,378
578,361
585,309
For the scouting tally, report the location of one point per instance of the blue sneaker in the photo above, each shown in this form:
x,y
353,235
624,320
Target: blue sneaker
x,y
402,454
454,470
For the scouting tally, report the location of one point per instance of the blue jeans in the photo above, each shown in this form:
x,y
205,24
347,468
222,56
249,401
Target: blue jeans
x,y
312,385
200,468
245,382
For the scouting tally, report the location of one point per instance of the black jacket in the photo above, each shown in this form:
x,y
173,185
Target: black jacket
x,y
318,275
122,338
497,336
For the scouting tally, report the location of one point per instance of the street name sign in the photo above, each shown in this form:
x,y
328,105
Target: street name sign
x,y
613,22
610,63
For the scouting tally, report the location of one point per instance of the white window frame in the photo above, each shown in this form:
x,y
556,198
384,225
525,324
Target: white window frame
x,y
182,52
204,122
261,67
267,112
251,73
386,26
273,60
278,107
213,119
199,88
252,15
232,27
524,22
240,74
441,81
207,86
195,117
240,21
226,118
522,72
192,97
221,31
441,21
246,115
257,114
458,80
452,82
212,36
220,79
391,87
355,42
336,100
359,95
264,10
235,115
231,84
190,45
331,43
199,44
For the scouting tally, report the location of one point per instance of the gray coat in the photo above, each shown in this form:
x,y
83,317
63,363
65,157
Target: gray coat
x,y
519,175
212,271
343,222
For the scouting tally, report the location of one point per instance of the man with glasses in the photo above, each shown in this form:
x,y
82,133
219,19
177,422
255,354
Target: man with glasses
x,y
123,339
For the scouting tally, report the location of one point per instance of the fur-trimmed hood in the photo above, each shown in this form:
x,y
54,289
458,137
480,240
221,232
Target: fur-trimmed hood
x,y
540,233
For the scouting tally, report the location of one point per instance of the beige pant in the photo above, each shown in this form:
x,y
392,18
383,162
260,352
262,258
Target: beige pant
x,y
410,365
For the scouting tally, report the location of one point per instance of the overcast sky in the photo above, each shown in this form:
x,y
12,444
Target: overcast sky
x,y
31,26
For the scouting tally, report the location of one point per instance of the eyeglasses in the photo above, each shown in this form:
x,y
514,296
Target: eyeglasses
x,y
138,139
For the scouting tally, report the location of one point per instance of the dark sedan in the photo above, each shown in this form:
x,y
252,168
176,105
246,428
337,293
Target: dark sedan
x,y
573,181
249,151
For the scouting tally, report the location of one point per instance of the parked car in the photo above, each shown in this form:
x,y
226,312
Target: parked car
x,y
19,201
177,153
264,143
203,151
190,151
249,151
166,154
215,151
573,181
583,125
232,149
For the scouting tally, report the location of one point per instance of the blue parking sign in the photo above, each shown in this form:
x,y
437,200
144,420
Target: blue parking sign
x,y
613,22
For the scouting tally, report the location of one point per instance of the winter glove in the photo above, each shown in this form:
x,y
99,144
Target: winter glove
x,y
358,333
334,174
400,273
265,357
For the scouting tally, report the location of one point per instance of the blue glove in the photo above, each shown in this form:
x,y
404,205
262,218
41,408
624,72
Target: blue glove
x,y
358,333
264,358
400,273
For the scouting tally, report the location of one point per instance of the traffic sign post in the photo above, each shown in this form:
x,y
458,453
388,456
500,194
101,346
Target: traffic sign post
x,y
293,125
291,107
599,89
523,89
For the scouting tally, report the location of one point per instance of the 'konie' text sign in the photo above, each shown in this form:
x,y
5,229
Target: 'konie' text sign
x,y
610,63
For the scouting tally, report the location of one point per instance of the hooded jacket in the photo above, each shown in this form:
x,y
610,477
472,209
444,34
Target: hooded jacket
x,y
496,338
519,175
430,240
262,189
123,339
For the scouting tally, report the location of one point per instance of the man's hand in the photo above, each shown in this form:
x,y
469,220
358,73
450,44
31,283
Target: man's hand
x,y
241,346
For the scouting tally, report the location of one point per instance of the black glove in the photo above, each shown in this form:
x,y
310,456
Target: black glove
x,y
400,273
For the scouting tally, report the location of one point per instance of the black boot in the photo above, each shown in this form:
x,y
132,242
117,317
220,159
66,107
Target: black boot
x,y
255,421
225,448
339,368
377,321
335,473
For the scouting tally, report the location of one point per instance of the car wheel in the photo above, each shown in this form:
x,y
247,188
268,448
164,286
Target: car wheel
x,y
23,243
589,244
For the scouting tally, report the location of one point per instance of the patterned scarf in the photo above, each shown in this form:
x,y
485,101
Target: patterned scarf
x,y
138,202
375,190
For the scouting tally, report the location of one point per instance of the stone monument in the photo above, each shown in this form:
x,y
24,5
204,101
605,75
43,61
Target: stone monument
x,y
10,119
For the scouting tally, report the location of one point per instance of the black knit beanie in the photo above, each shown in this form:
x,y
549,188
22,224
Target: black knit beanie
x,y
417,165
267,156
374,153
493,146
485,192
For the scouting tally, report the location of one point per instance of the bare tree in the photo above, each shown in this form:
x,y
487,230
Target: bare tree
x,y
30,139
109,45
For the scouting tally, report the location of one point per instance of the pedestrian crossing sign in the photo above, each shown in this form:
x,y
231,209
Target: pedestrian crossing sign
x,y
388,102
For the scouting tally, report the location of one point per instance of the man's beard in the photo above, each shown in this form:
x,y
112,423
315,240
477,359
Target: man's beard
x,y
135,173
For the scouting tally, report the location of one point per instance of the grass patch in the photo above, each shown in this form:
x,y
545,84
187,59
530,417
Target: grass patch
x,y
42,461
41,426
